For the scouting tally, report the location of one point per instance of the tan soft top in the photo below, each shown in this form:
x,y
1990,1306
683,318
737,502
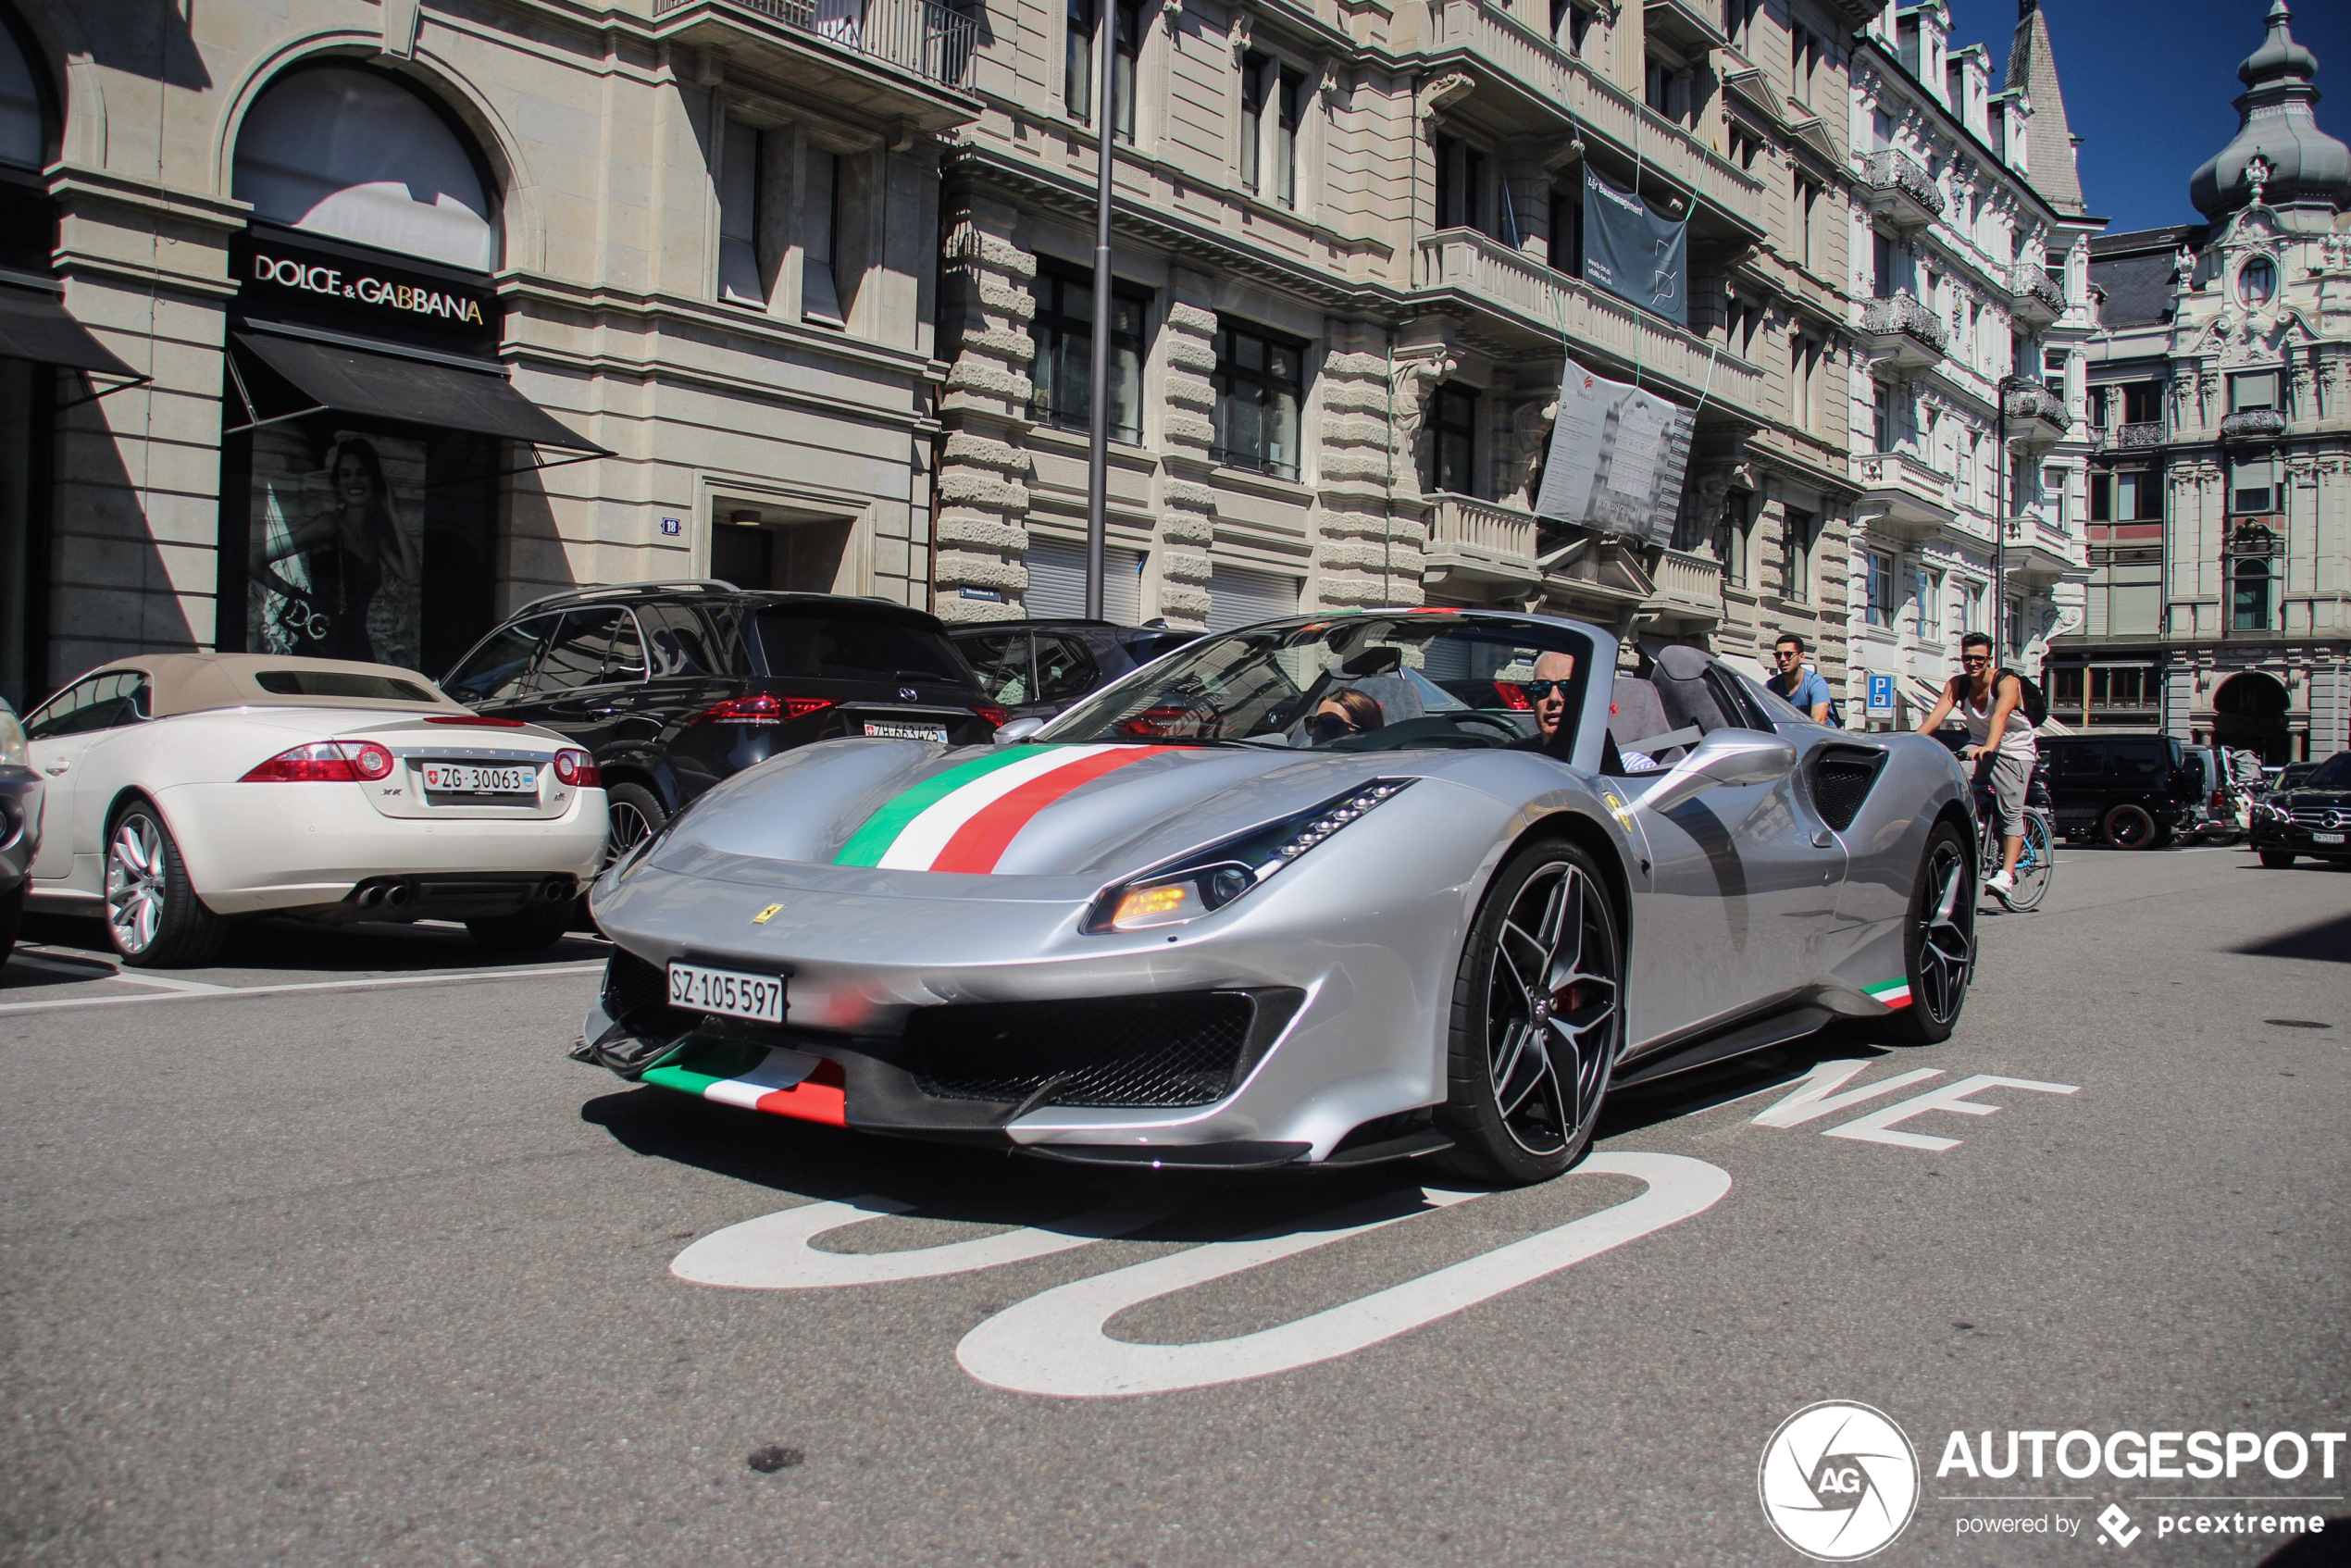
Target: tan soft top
x,y
187,683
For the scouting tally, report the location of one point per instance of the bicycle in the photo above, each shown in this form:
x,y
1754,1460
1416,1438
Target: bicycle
x,y
2036,862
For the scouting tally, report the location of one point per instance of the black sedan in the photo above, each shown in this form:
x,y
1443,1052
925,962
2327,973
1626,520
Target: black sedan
x,y
2312,818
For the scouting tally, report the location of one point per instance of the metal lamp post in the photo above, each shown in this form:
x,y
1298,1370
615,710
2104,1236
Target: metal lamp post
x,y
1097,393
2000,526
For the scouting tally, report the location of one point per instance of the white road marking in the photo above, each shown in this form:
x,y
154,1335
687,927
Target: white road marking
x,y
772,1252
1815,1097
1054,1343
1876,1127
445,977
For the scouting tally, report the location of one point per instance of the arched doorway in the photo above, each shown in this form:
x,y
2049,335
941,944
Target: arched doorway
x,y
2249,711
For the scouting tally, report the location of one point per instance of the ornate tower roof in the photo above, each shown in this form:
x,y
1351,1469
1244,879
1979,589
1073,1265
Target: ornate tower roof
x,y
2276,124
2033,68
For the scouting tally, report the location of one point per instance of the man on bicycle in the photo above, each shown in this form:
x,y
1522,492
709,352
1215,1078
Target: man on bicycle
x,y
2000,739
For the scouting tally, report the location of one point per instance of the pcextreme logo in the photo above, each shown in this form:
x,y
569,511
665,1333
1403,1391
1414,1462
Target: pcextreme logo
x,y
1839,1481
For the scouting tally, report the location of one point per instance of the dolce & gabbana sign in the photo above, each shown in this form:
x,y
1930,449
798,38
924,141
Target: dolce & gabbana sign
x,y
355,291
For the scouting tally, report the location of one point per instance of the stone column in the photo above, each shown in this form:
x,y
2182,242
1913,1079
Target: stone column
x,y
1368,548
1187,431
982,500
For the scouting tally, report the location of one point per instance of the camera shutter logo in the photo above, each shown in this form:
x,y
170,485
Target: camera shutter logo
x,y
1838,1481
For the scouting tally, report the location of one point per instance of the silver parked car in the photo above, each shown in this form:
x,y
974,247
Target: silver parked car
x,y
1330,889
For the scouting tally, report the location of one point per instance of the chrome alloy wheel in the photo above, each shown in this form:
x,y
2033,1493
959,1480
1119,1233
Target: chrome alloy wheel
x,y
1946,933
1553,1013
135,883
628,828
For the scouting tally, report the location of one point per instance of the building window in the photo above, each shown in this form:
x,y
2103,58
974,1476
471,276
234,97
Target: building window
x,y
1804,58
1577,21
1259,379
819,226
2013,626
2249,595
2129,495
1746,146
1078,65
1882,418
1928,590
2257,389
1460,184
1670,85
2252,484
1566,241
1882,264
1877,587
1449,440
1265,80
1803,363
2142,403
741,278
1806,196
1061,374
1733,537
2257,281
1796,555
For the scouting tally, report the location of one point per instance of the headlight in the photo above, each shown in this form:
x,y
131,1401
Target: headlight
x,y
12,753
1206,880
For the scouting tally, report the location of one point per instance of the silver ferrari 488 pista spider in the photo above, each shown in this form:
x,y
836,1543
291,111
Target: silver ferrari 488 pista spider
x,y
1327,891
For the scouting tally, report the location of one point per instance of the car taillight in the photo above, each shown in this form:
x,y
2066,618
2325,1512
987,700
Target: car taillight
x,y
1514,697
2220,800
482,721
997,717
324,762
763,709
578,768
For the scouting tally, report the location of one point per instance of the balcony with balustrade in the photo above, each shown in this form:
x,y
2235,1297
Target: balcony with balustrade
x,y
1903,337
2038,551
2253,424
1517,306
1897,188
909,60
2038,418
1689,592
2036,299
2139,435
1903,498
1536,83
1479,545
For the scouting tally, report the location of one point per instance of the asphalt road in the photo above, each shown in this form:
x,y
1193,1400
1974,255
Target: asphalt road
x,y
358,1269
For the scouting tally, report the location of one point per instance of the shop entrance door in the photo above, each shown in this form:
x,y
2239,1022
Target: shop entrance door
x,y
798,557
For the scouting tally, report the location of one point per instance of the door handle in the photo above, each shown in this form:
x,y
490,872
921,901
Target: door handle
x,y
52,769
1824,840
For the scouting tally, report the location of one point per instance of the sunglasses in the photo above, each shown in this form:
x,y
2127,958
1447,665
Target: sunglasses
x,y
1975,658
1541,690
1787,654
1331,727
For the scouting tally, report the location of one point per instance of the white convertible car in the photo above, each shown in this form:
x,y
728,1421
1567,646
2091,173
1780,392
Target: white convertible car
x,y
186,790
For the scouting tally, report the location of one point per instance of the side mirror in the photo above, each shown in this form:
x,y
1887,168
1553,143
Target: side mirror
x,y
1727,757
1018,731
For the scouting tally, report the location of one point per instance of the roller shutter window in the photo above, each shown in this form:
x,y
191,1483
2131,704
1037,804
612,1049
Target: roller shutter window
x,y
1057,582
1243,595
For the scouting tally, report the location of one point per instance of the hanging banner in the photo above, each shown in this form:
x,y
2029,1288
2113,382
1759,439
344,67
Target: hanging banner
x,y
1633,252
1617,459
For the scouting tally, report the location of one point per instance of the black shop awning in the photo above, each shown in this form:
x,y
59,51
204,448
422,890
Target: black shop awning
x,y
34,325
418,391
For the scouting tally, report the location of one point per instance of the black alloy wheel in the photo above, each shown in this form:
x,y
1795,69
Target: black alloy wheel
x,y
1538,1020
1938,941
636,815
2130,826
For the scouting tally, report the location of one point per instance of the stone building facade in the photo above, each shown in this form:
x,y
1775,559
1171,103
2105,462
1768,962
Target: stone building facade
x,y
2220,386
1348,280
344,327
1972,293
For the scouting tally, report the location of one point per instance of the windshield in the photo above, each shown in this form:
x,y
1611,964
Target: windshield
x,y
1381,681
2333,774
833,646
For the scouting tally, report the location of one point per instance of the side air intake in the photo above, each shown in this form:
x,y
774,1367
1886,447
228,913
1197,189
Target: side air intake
x,y
1841,780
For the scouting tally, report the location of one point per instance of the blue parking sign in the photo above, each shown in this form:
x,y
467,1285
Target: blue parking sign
x,y
1881,704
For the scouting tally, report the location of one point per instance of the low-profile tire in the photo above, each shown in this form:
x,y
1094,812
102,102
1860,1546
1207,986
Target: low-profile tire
x,y
153,917
2276,860
1537,1019
11,915
1938,941
2130,826
526,930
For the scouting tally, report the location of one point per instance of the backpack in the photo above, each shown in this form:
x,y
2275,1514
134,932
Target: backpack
x,y
2035,703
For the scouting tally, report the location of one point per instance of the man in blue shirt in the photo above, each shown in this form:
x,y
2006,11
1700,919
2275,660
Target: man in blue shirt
x,y
1803,686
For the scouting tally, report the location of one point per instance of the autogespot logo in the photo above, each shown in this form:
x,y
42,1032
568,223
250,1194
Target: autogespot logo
x,y
1839,1481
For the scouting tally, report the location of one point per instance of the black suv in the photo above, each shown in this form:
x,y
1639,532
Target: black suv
x,y
674,686
2133,792
1037,668
2311,817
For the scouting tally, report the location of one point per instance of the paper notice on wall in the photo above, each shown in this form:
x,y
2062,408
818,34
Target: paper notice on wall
x,y
1617,459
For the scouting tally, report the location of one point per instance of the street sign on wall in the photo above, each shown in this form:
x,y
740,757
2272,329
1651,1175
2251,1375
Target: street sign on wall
x,y
1881,702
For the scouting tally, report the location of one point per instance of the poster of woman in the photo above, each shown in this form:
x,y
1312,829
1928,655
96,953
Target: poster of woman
x,y
337,555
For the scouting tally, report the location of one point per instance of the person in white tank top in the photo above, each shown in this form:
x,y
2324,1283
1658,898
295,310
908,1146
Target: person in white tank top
x,y
2001,742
